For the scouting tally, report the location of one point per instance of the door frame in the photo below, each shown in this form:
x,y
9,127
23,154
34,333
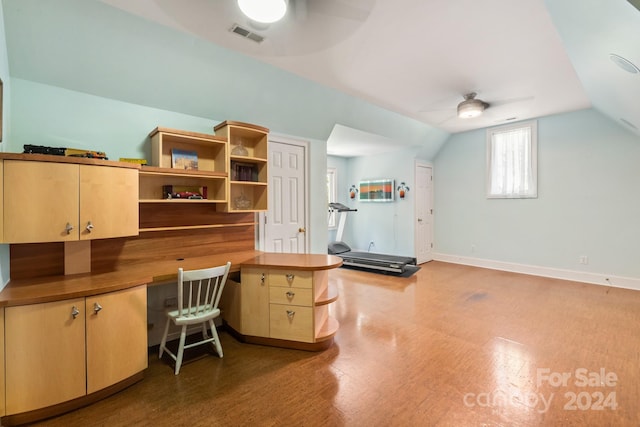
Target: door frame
x,y
262,216
423,163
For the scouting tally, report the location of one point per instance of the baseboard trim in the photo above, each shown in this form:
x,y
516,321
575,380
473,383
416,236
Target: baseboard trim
x,y
535,270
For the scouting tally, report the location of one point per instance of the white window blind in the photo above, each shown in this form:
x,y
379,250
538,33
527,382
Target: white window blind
x,y
512,161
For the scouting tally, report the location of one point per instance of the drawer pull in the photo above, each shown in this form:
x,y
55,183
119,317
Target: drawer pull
x,y
262,279
290,277
74,311
68,228
290,314
89,227
96,307
290,294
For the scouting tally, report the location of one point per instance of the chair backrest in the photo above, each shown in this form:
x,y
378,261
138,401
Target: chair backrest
x,y
199,291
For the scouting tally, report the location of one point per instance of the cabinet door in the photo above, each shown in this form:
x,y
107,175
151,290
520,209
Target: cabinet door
x,y
254,295
40,199
116,337
108,201
45,355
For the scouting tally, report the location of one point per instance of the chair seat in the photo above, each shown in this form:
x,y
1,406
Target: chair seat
x,y
193,316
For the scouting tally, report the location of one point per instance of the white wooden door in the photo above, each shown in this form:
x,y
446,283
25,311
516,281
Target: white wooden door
x,y
285,222
424,212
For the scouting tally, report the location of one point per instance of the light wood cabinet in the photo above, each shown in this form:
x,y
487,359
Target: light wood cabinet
x,y
55,202
254,297
116,336
45,354
247,160
62,350
282,305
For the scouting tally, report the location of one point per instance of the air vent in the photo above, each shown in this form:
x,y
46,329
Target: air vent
x,y
247,34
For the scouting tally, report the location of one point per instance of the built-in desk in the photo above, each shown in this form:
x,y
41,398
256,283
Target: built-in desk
x,y
81,324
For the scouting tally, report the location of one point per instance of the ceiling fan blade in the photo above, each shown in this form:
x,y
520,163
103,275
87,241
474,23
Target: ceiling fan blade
x,y
348,9
510,101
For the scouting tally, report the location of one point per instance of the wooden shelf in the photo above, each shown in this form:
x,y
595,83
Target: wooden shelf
x,y
153,171
328,329
174,201
329,295
196,227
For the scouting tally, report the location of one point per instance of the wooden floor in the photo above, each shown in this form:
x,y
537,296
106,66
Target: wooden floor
x,y
449,346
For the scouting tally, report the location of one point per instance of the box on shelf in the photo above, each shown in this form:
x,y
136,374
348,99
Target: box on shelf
x,y
184,192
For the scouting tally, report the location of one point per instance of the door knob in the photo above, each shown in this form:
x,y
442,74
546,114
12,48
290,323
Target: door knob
x,y
302,230
89,227
96,307
68,228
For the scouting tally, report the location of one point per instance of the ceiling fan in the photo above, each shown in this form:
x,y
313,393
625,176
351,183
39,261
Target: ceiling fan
x,y
472,107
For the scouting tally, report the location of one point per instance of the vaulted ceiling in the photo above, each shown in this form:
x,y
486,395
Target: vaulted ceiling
x,y
526,58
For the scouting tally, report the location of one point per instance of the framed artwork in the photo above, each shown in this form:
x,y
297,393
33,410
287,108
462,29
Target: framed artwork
x,y
376,190
183,159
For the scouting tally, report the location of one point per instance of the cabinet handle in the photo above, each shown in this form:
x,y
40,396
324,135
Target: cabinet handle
x,y
290,314
68,228
290,294
262,279
74,311
89,227
96,307
290,277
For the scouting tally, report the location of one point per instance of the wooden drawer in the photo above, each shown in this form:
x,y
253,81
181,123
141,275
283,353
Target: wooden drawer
x,y
289,279
292,296
291,322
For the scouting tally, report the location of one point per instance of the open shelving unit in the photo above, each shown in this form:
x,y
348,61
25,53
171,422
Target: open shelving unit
x,y
247,160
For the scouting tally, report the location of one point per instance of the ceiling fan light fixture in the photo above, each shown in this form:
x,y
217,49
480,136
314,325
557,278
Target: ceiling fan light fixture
x,y
263,11
471,107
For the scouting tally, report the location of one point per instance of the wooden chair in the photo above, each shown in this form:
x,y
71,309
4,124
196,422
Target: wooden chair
x,y
199,293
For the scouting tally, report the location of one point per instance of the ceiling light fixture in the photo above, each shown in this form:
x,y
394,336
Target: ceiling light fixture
x,y
624,63
264,11
471,107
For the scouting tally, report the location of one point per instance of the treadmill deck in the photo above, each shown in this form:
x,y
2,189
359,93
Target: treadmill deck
x,y
375,261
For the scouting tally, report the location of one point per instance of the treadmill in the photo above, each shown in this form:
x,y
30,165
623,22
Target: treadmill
x,y
365,260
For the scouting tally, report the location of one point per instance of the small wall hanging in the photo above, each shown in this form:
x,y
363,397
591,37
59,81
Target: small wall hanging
x,y
353,191
402,190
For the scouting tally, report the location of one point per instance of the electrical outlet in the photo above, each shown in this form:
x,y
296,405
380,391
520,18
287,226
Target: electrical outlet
x,y
171,302
583,259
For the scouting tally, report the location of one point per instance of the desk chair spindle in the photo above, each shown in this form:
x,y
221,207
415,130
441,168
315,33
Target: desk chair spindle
x,y
199,293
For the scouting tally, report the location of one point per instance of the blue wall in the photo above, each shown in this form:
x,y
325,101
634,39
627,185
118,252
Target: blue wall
x,y
588,204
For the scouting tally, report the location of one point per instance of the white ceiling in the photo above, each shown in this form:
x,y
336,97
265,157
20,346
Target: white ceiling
x,y
526,58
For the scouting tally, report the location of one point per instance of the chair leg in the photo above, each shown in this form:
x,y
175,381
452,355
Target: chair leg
x,y
205,335
183,336
216,343
163,343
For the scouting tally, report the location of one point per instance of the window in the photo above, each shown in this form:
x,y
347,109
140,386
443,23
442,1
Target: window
x,y
512,161
331,194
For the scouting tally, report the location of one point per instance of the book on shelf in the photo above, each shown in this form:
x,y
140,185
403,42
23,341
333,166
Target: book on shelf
x,y
244,172
184,192
184,159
